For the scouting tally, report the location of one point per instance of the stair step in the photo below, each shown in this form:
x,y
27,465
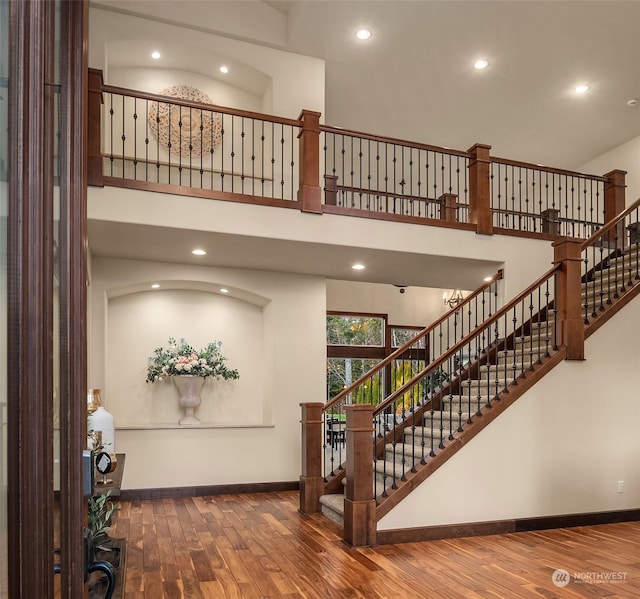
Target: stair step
x,y
388,471
488,385
532,340
598,290
424,432
333,507
631,259
515,355
409,454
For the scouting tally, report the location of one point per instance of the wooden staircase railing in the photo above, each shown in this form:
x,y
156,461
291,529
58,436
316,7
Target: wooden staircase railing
x,y
590,281
168,144
376,384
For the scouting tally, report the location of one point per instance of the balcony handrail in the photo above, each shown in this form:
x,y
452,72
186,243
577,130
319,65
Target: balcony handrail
x,y
201,106
451,352
402,349
393,140
390,194
548,169
610,225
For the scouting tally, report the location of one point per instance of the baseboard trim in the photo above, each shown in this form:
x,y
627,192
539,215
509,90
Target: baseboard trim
x,y
199,491
496,527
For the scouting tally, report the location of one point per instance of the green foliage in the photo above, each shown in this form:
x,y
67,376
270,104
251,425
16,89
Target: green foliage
x,y
100,511
180,358
354,330
341,372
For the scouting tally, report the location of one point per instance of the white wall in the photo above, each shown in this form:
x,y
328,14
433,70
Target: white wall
x,y
140,322
523,259
417,306
625,157
155,80
297,81
560,449
252,430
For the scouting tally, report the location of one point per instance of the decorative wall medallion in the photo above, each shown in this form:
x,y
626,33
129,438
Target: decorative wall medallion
x,y
189,132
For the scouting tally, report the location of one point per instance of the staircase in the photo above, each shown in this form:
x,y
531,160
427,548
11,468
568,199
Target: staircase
x,y
496,362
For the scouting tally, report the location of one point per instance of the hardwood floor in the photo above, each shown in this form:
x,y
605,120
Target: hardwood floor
x,y
258,546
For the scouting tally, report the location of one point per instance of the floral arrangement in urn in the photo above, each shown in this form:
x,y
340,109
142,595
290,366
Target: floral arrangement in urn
x,y
180,359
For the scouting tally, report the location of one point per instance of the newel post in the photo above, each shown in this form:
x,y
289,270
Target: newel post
x,y
359,505
567,251
309,193
614,204
480,189
448,207
94,129
614,194
311,481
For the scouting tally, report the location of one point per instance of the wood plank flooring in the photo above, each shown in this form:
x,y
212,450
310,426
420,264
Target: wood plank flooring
x,y
257,546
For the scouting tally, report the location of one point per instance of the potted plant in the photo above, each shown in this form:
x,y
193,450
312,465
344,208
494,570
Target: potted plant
x,y
99,513
188,369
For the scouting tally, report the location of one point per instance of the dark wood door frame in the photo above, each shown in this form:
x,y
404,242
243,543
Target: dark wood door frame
x,y
30,268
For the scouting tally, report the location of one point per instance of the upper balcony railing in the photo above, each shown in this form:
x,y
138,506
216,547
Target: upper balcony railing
x,y
159,143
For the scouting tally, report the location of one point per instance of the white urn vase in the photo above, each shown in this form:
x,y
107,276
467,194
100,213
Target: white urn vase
x,y
189,387
102,421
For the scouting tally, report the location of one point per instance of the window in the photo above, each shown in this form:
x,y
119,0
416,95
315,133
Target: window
x,y
355,344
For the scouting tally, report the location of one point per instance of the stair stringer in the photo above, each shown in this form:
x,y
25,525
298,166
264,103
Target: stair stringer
x,y
489,414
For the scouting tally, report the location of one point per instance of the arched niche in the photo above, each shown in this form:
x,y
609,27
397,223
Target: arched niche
x,y
140,319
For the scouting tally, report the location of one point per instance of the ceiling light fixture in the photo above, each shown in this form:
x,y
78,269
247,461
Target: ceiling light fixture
x,y
454,299
198,252
224,69
358,267
480,64
155,286
363,34
223,290
632,102
488,279
581,89
155,55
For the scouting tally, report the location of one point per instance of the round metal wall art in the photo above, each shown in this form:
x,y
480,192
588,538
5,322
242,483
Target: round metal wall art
x,y
189,132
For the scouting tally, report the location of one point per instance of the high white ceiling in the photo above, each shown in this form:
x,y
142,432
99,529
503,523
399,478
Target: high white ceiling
x,y
414,79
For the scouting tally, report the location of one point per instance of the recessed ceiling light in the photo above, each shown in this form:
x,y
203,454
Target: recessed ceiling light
x,y
224,69
581,89
481,64
223,290
198,252
155,286
155,55
358,267
363,34
632,102
487,279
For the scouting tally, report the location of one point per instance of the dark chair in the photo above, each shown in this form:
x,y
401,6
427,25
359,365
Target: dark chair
x,y
336,431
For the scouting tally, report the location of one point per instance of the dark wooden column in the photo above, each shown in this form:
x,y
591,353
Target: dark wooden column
x,y
73,294
614,194
614,204
551,221
30,300
568,299
359,505
94,141
309,195
311,481
448,207
479,189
